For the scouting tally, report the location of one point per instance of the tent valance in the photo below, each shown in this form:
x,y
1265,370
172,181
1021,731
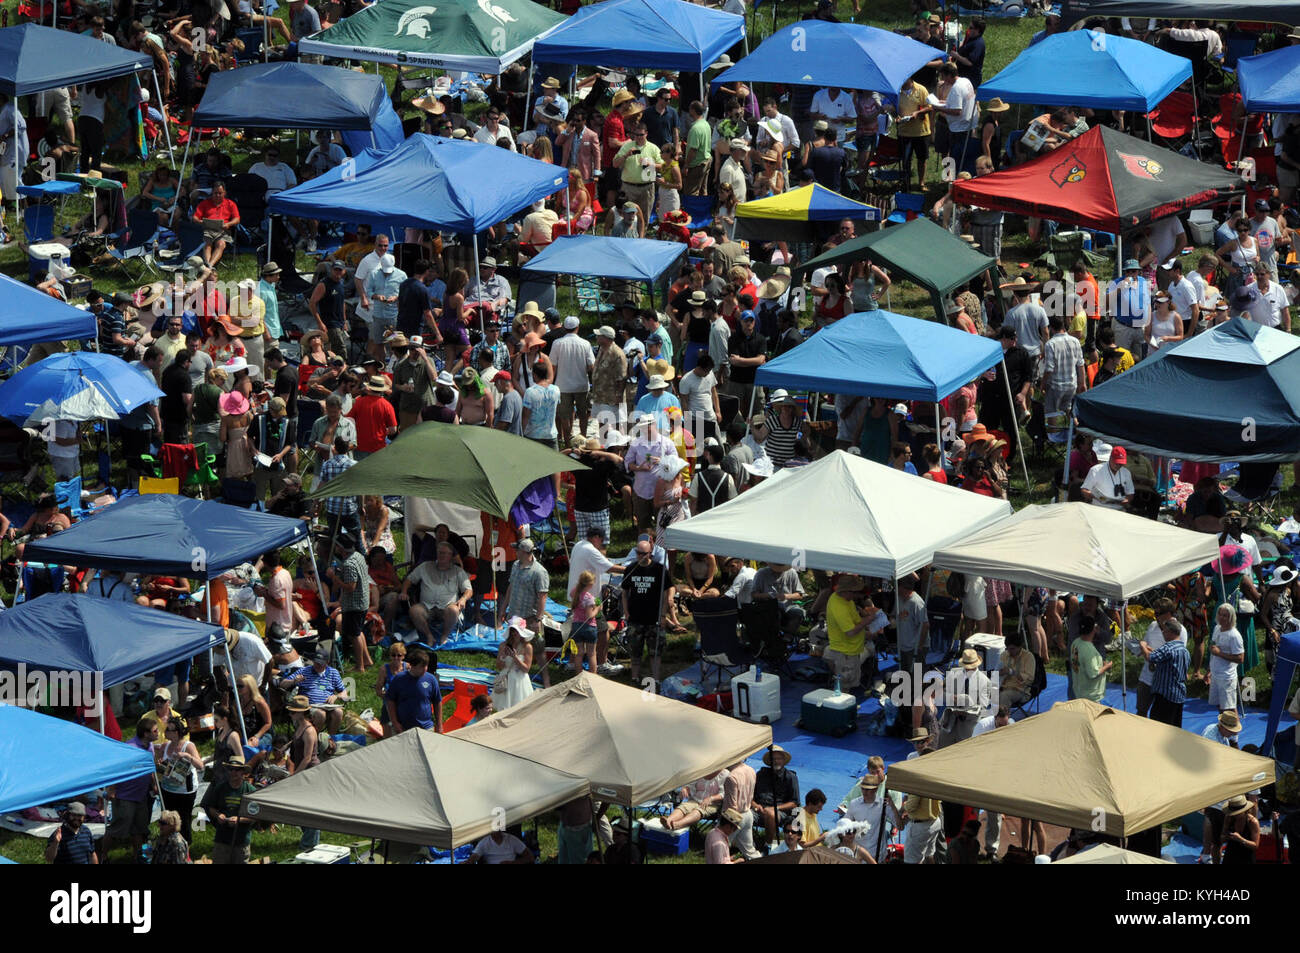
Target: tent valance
x,y
1266,11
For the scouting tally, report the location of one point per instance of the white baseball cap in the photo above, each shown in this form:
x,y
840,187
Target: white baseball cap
x,y
571,323
387,264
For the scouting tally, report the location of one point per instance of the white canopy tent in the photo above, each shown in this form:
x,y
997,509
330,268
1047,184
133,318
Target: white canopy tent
x,y
1082,548
841,514
418,788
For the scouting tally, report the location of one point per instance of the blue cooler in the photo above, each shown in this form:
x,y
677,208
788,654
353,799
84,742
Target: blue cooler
x,y
657,840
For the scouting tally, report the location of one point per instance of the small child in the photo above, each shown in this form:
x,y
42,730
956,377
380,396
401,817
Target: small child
x,y
583,629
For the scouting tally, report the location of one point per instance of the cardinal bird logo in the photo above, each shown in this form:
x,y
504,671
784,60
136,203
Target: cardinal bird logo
x,y
1069,171
1141,167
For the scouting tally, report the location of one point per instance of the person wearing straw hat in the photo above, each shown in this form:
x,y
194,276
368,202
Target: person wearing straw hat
x,y
967,692
1028,319
659,398
232,832
1240,832
852,624
1226,730
550,96
776,792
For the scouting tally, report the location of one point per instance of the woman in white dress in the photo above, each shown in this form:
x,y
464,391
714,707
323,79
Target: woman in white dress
x,y
514,659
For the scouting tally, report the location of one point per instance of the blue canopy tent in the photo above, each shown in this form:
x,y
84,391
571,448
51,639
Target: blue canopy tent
x,y
1270,82
35,58
61,379
44,759
1095,70
1230,393
882,354
598,256
28,316
429,182
847,55
642,34
302,96
77,633
1288,657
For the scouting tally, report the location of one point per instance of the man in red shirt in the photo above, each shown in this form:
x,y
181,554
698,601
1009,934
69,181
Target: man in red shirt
x,y
217,208
375,418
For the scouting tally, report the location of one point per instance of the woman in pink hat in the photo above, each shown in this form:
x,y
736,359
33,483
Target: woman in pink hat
x,y
234,434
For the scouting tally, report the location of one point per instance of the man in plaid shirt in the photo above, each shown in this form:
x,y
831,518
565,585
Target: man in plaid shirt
x,y
342,510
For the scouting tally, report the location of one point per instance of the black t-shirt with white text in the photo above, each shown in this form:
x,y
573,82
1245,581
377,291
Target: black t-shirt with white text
x,y
644,586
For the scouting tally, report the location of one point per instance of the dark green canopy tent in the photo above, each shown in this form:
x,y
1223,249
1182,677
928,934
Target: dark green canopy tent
x,y
475,466
919,251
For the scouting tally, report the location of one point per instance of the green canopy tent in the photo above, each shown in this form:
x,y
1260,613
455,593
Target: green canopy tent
x,y
475,466
919,251
479,36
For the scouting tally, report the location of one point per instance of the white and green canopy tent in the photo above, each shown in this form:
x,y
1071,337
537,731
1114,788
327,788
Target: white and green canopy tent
x,y
479,36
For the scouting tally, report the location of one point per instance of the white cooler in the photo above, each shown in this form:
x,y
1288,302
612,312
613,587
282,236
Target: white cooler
x,y
990,647
324,854
756,696
41,255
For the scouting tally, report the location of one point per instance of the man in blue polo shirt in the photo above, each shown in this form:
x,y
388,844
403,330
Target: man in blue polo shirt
x,y
321,684
72,843
1129,299
414,699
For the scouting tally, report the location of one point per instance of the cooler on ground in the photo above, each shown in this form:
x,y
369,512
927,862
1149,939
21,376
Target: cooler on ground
x,y
324,854
828,712
42,254
655,838
756,696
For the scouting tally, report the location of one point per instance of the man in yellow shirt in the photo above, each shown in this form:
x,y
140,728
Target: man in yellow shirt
x,y
914,130
847,629
248,311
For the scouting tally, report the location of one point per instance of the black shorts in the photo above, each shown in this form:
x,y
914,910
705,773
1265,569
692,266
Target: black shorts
x,y
351,624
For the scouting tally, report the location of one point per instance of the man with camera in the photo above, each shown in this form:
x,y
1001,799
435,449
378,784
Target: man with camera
x,y
640,162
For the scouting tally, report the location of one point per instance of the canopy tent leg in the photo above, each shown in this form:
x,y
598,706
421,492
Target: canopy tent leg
x,y
528,97
207,600
1241,152
180,181
1020,444
1196,120
234,687
1065,468
703,102
1119,253
266,37
167,128
476,271
938,434
320,587
753,391
883,791
1149,139
1123,657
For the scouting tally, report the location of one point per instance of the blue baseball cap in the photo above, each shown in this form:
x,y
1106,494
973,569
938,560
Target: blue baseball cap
x,y
747,315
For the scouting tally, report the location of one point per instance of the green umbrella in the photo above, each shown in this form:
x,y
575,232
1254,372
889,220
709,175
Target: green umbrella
x,y
474,466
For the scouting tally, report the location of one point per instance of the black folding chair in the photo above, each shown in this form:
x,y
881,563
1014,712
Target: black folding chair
x,y
721,650
1035,689
761,622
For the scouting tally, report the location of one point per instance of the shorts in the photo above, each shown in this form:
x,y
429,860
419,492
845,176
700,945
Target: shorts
x,y
230,853
584,633
587,520
380,327
130,818
351,624
638,634
1223,692
847,668
705,812
580,402
338,341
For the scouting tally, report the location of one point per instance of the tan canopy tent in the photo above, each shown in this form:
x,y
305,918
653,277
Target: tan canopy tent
x,y
1079,547
809,855
632,745
1088,766
418,788
1106,854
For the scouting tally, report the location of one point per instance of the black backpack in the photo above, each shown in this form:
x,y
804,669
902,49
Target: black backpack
x,y
956,585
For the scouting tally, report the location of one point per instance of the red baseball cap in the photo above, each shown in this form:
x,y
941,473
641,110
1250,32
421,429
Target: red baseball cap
x,y
1119,455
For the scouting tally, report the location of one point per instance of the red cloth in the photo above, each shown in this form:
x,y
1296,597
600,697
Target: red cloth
x,y
179,460
111,728
373,416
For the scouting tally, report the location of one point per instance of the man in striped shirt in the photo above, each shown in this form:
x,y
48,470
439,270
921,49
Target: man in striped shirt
x,y
1169,674
342,510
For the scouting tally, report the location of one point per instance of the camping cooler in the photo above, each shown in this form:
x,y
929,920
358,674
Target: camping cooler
x,y
657,840
41,255
990,648
756,696
828,712
1200,226
324,854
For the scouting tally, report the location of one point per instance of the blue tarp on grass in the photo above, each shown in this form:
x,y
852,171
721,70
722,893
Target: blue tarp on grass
x,y
428,182
43,759
642,34
168,535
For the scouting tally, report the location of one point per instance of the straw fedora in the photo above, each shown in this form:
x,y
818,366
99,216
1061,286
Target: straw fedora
x,y
774,287
1229,722
1238,805
531,311
633,110
149,295
621,97
429,103
550,83
771,155
660,367
377,384
921,734
1018,285
776,753
996,105
970,660
850,582
298,703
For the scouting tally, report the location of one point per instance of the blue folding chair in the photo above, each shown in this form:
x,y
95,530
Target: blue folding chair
x,y
700,209
905,202
68,496
141,228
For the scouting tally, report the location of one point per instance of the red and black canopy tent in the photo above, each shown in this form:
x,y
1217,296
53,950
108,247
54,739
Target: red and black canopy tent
x,y
1104,180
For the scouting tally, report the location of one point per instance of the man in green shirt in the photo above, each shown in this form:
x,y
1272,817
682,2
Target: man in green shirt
x,y
414,375
221,804
699,152
640,161
1087,670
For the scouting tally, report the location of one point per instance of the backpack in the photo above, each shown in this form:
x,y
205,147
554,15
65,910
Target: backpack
x,y
956,585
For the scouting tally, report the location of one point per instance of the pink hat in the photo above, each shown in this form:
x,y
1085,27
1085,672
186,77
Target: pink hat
x,y
233,403
1232,559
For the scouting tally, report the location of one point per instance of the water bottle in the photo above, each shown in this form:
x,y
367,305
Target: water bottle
x,y
758,673
837,685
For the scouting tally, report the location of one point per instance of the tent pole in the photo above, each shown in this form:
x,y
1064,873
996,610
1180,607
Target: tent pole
x,y
703,102
234,690
1149,128
938,434
167,129
181,175
320,586
528,97
207,603
1069,448
1241,151
476,271
266,36
753,392
1196,120
1015,422
883,790
1123,657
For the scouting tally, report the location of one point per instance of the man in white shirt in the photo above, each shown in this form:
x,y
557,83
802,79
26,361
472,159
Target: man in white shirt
x,y
742,581
1167,239
278,175
573,359
961,111
835,106
698,390
1271,307
1197,31
493,129
588,555
1184,296
364,268
870,807
327,154
1109,483
732,172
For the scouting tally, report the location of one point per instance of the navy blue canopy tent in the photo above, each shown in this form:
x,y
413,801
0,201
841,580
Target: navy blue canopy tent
x,y
44,759
1095,70
847,55
428,182
1270,82
598,256
76,633
1266,11
168,535
882,354
28,316
1231,393
642,34
35,58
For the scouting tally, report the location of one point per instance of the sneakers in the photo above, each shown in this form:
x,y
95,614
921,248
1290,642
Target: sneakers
x,y
609,669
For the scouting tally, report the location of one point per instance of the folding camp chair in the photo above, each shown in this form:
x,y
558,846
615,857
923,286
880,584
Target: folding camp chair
x,y
150,485
206,475
38,223
700,208
718,620
761,622
592,298
189,242
907,206
141,230
464,693
1036,687
68,496
1258,489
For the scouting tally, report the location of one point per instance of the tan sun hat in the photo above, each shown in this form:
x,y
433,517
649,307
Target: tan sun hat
x,y
970,659
996,105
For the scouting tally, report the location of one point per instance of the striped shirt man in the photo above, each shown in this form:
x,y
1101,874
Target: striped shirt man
x,y
319,686
335,465
1169,664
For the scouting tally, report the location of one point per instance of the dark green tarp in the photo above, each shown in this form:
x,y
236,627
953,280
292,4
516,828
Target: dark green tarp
x,y
919,251
474,466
